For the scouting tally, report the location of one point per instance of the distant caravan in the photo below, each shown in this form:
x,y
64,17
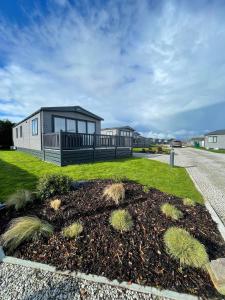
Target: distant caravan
x,y
176,144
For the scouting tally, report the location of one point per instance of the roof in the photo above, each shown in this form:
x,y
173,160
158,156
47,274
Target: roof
x,y
197,138
217,132
122,127
76,109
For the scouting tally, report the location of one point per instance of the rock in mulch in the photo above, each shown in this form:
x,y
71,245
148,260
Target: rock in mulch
x,y
216,270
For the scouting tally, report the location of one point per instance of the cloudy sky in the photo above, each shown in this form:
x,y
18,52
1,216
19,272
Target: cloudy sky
x,y
158,66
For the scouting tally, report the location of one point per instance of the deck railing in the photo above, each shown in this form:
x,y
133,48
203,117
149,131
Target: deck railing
x,y
69,140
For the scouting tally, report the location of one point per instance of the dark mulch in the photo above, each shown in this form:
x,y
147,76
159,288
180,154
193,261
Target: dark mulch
x,y
136,256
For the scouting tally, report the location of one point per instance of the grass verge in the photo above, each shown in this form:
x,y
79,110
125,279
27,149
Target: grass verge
x,y
21,171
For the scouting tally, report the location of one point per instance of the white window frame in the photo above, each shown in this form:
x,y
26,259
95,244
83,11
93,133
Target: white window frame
x,y
91,123
21,131
212,139
34,127
68,119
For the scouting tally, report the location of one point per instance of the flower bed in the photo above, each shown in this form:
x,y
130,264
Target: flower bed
x,y
137,254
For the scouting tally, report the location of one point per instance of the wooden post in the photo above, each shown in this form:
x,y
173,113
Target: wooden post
x,y
132,144
43,147
94,145
60,146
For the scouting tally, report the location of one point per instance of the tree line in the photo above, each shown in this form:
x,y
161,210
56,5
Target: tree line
x,y
6,139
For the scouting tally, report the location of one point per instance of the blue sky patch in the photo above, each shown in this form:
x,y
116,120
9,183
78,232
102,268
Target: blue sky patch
x,y
158,66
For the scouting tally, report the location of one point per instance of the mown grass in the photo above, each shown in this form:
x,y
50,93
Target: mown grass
x,y
21,171
212,150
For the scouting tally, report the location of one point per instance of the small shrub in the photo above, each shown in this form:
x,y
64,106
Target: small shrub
x,y
115,191
159,149
23,229
73,231
146,189
55,204
53,184
20,199
189,202
121,220
184,247
166,151
171,211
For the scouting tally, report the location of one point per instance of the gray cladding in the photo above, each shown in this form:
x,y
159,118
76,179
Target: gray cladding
x,y
53,156
69,157
49,115
33,144
92,155
215,141
44,118
27,139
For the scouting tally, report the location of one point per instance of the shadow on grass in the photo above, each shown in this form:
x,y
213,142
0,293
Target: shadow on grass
x,y
13,178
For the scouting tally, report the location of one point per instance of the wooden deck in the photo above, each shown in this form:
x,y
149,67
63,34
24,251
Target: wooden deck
x,y
65,148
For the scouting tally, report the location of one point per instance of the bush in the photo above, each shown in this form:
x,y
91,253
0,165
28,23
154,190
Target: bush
x,y
115,191
73,231
189,202
121,220
171,211
20,199
55,204
23,229
182,246
6,139
159,149
53,184
146,189
166,151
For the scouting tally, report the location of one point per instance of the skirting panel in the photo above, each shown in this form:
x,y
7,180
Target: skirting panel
x,y
69,157
36,153
91,155
52,156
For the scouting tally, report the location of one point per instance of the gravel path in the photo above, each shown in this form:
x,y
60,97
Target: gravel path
x,y
207,170
22,283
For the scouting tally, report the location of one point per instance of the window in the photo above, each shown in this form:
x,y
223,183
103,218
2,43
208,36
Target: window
x,y
70,125
125,133
81,125
109,132
212,139
21,131
17,133
90,127
59,124
35,126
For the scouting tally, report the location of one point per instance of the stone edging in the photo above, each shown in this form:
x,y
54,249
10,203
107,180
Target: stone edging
x,y
210,209
97,279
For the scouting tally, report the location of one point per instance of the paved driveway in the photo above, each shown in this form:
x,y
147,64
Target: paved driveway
x,y
207,170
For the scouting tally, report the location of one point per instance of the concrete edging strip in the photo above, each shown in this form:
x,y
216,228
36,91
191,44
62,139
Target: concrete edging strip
x,y
97,279
210,209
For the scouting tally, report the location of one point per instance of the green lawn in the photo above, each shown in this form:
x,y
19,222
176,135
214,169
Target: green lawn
x,y
212,150
20,170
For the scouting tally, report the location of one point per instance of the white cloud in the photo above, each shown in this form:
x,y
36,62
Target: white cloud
x,y
132,64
